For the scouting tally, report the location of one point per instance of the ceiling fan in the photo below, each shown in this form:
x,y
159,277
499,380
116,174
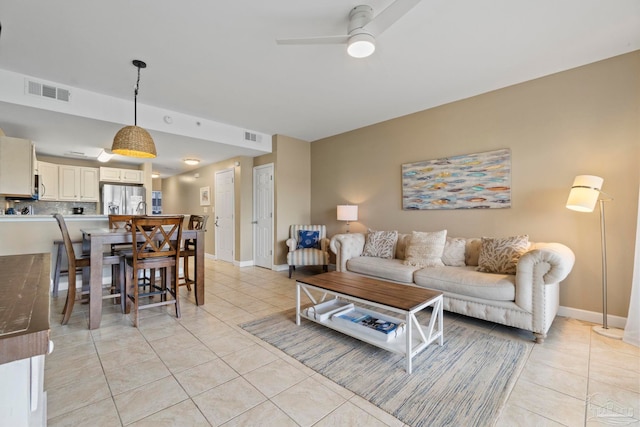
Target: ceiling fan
x,y
363,28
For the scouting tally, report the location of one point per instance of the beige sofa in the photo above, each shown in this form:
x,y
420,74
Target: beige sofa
x,y
527,300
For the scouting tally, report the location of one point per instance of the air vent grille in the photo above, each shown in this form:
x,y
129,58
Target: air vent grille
x,y
252,137
47,91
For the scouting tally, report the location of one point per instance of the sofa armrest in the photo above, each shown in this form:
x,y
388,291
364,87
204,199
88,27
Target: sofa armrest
x,y
346,246
292,244
543,264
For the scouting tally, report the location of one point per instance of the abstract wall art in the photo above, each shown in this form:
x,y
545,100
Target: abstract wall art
x,y
470,181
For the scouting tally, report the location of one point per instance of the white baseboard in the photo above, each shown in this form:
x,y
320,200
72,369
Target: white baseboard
x,y
243,263
592,316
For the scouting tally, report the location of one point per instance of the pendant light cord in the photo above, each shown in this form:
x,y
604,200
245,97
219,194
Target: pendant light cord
x,y
135,100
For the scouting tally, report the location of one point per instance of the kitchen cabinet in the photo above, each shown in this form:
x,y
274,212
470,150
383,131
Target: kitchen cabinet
x,y
17,167
129,176
48,175
77,183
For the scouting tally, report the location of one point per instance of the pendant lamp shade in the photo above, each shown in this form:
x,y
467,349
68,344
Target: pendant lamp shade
x,y
134,141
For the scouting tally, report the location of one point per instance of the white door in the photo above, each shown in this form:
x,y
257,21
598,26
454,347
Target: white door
x,y
224,215
263,216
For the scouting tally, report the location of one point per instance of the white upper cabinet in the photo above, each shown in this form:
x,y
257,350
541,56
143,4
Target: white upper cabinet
x,y
78,184
17,168
48,174
129,176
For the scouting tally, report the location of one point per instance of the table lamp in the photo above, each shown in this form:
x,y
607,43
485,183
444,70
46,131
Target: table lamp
x,y
347,213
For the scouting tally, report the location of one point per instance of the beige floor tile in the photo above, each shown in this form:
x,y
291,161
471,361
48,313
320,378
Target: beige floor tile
x,y
228,344
141,402
604,395
275,377
179,359
116,359
265,414
204,377
102,413
619,375
512,416
228,400
308,402
107,345
134,374
249,358
548,403
349,414
182,414
576,364
82,392
555,379
376,412
180,339
55,377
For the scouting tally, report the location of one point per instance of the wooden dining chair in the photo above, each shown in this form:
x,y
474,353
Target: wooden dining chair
x,y
79,263
196,222
156,245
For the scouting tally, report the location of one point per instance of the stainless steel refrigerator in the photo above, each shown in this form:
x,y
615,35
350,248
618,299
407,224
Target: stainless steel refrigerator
x,y
123,200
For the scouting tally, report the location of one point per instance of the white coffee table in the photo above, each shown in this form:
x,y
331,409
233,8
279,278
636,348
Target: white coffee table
x,y
397,298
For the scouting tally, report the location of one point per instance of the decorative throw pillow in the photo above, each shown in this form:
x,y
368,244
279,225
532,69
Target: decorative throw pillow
x,y
501,255
381,244
425,249
308,239
454,251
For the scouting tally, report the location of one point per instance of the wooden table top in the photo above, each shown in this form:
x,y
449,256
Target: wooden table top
x,y
24,307
403,297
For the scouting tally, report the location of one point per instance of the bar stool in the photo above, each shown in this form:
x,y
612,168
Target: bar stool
x,y
78,263
196,222
57,269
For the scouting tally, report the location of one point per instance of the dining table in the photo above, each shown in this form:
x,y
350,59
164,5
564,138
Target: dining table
x,y
94,241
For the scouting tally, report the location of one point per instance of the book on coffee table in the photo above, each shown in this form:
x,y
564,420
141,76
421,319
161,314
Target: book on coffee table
x,y
369,321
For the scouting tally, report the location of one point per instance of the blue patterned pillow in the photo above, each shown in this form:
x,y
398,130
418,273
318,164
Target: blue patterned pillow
x,y
308,239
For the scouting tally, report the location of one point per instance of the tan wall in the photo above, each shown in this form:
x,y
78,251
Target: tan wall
x,y
292,195
582,121
181,195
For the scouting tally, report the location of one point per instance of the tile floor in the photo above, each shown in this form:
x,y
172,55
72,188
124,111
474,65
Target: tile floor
x,y
203,370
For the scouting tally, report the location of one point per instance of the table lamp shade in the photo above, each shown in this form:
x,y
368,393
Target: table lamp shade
x,y
347,213
584,193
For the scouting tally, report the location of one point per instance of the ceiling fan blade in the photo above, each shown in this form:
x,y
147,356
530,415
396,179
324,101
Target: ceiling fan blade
x,y
315,40
390,15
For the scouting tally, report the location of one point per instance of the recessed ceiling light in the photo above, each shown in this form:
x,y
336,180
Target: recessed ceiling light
x,y
191,162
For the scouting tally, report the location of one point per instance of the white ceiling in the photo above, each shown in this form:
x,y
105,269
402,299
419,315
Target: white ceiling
x,y
218,61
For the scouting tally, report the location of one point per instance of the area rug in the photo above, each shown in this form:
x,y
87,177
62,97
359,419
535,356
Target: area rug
x,y
465,382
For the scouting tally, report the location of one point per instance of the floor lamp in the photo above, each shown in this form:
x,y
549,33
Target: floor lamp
x,y
347,213
585,192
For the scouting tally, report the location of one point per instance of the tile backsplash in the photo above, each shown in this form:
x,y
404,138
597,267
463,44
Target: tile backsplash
x,y
42,207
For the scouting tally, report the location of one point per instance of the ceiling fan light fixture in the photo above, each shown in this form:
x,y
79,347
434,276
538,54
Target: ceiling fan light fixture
x,y
134,141
361,45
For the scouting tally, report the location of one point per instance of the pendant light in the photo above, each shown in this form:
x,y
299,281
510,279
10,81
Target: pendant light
x,y
134,141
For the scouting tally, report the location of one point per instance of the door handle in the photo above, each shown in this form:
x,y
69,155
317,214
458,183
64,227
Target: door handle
x,y
216,222
254,222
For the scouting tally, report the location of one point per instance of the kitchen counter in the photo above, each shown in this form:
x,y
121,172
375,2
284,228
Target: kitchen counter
x,y
40,218
24,307
24,339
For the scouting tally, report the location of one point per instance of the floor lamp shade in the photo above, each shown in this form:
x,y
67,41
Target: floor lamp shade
x,y
584,193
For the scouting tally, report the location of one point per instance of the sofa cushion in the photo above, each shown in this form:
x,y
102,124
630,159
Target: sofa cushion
x,y
467,281
501,255
454,252
390,269
381,244
472,252
425,248
401,245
